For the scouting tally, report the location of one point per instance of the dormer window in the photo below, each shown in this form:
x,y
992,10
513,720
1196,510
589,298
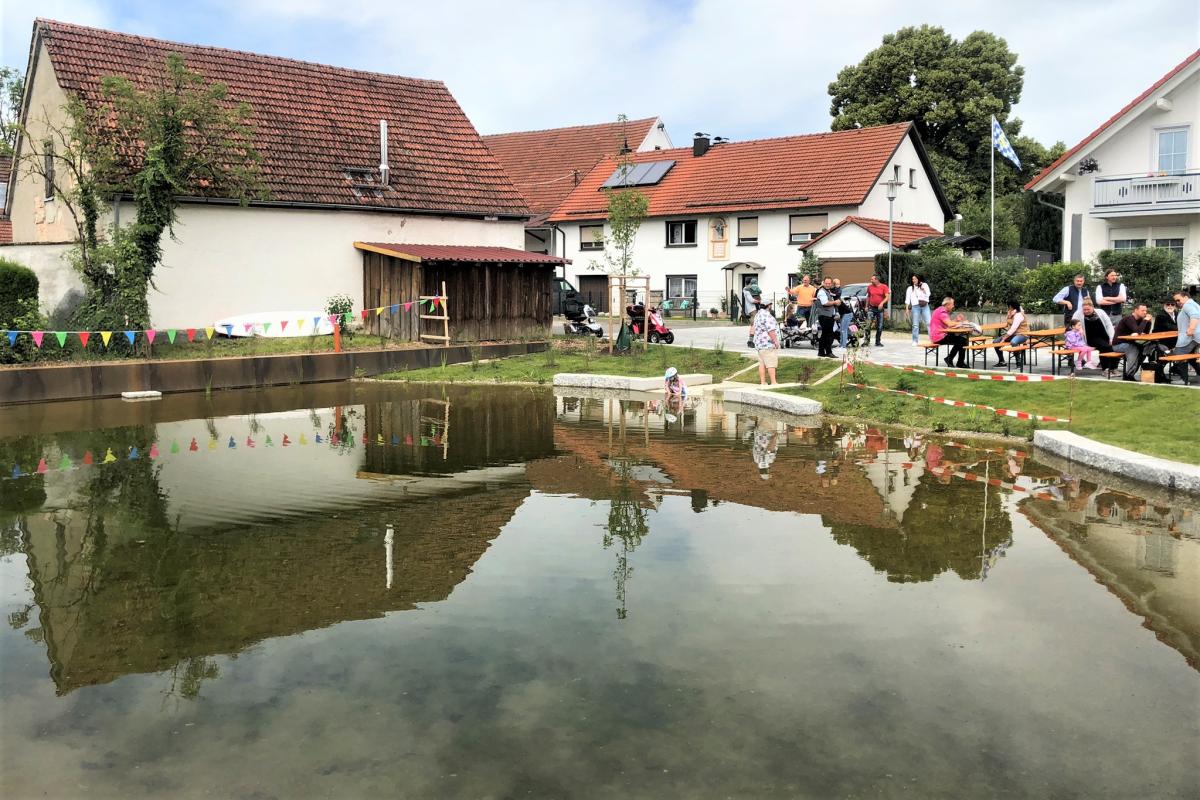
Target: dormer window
x,y
1172,150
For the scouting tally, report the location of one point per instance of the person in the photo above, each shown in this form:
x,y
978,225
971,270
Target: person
x,y
844,315
1188,325
1137,322
766,343
1016,332
938,323
1071,297
1097,328
764,450
1110,295
674,384
916,305
827,303
877,299
1165,320
805,291
750,296
1076,342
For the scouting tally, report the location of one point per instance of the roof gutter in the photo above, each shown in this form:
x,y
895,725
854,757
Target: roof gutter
x,y
284,204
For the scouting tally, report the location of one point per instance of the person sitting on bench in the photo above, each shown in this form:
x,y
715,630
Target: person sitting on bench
x,y
957,342
1016,332
1135,323
1188,324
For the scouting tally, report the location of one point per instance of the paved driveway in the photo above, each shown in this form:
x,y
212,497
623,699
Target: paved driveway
x,y
897,347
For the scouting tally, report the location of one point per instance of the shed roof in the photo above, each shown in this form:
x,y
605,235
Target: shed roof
x,y
815,170
545,165
314,122
447,252
902,232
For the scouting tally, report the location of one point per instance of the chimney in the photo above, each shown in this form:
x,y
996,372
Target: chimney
x,y
700,144
384,169
958,224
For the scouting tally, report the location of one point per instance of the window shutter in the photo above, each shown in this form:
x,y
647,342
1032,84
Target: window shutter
x,y
809,223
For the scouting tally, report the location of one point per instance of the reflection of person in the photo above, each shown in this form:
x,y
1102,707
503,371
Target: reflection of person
x,y
766,447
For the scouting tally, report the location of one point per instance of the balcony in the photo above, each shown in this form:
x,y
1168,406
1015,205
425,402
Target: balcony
x,y
1132,195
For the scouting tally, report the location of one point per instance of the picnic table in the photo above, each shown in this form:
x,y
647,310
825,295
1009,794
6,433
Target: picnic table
x,y
1144,339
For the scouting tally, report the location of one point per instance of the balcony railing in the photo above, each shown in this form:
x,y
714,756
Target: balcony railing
x,y
1148,190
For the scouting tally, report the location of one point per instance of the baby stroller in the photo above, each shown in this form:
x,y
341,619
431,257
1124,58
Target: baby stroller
x,y
859,321
796,331
638,319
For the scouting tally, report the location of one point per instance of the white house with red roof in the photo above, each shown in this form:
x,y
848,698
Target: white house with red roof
x,y
724,214
1135,180
333,174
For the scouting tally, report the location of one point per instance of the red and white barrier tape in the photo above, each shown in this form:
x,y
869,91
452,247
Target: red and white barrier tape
x,y
971,376
974,477
1003,412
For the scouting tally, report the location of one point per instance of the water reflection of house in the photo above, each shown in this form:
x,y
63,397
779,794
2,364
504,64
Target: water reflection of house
x,y
115,608
1148,556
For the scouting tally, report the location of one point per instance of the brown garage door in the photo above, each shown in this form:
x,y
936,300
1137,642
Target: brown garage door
x,y
849,270
594,291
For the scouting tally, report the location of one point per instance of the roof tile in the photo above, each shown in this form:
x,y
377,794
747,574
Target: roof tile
x,y
903,233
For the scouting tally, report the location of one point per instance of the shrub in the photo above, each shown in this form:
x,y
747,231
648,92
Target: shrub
x,y
18,284
340,304
903,266
27,317
1148,273
1042,283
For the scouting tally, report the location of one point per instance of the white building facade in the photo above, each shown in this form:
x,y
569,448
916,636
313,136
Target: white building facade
x,y
1135,181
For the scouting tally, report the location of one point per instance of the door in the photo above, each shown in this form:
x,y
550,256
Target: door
x,y
594,291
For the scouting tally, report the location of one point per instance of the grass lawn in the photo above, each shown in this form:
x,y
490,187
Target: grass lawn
x,y
1157,420
791,370
579,355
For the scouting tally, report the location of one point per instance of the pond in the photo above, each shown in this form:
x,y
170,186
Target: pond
x,y
367,590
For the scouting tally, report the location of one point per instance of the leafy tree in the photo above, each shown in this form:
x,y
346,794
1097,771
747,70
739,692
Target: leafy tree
x,y
12,89
626,210
949,89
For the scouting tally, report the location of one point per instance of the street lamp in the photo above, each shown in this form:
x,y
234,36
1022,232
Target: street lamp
x,y
892,186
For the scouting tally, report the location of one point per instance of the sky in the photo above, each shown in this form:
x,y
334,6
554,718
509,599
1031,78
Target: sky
x,y
744,69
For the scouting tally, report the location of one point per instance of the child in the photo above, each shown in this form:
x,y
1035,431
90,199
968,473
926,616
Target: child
x,y
1077,342
674,384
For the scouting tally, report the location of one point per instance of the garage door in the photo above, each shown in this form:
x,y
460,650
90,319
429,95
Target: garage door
x,y
594,291
850,270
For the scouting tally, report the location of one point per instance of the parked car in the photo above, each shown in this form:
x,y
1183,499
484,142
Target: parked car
x,y
563,293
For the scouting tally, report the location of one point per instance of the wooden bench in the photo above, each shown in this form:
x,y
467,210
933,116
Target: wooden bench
x,y
979,349
1019,351
930,347
1182,358
1109,370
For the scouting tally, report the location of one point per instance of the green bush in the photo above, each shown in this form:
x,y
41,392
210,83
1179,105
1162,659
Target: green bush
x,y
972,283
1042,283
1148,273
903,266
17,285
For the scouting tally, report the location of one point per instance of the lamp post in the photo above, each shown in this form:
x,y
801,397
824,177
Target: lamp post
x,y
891,185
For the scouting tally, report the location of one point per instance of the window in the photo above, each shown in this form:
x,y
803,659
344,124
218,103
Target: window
x,y
803,227
681,233
747,230
3,194
591,237
48,167
680,286
896,173
912,179
1128,244
1174,245
1172,150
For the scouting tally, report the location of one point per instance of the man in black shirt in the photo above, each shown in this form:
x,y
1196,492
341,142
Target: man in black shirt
x,y
1138,322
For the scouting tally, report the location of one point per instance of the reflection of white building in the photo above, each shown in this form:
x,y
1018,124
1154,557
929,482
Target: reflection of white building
x,y
1135,180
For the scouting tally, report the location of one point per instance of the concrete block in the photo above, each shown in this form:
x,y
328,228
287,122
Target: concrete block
x,y
786,403
1174,475
622,382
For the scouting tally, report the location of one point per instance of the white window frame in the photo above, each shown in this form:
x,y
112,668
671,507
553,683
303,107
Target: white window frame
x,y
585,244
1162,243
748,241
912,178
1187,147
683,239
683,280
1128,244
801,238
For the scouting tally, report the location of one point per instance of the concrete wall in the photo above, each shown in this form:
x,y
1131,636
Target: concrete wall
x,y
657,138
1132,149
849,241
49,262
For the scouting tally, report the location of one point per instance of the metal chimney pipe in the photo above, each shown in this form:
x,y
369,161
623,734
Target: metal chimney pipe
x,y
384,169
958,224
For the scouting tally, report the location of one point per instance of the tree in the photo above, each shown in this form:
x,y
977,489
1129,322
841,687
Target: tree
x,y
949,89
12,89
177,135
626,210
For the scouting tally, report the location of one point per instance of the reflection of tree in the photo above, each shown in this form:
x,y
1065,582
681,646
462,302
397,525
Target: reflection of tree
x,y
186,684
626,523
945,527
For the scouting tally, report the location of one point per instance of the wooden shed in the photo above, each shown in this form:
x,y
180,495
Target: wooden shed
x,y
493,292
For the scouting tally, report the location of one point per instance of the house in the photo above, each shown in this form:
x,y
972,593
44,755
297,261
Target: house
x,y
547,165
1135,180
848,248
724,214
348,156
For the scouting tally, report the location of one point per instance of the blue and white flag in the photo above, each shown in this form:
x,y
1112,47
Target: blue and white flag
x,y
1001,143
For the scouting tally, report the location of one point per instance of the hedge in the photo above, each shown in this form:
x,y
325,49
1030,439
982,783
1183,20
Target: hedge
x,y
1148,273
18,286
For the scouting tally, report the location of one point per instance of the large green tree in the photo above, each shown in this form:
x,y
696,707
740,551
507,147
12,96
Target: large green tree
x,y
950,89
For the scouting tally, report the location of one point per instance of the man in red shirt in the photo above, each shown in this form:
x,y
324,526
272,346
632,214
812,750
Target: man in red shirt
x,y
877,297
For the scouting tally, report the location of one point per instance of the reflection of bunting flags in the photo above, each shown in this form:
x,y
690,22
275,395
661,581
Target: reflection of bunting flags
x,y
269,443
154,449
303,440
232,443
83,338
317,438
87,458
249,442
212,443
133,453
65,463
286,440
175,445
194,446
41,467
105,336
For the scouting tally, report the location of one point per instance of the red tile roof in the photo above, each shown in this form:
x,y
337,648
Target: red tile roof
x,y
903,233
545,165
446,252
5,222
5,230
823,169
1058,162
312,122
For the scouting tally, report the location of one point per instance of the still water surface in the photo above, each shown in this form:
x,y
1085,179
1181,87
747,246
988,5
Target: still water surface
x,y
376,591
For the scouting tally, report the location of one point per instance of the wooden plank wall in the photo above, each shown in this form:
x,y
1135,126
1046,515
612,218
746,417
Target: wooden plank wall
x,y
388,280
491,301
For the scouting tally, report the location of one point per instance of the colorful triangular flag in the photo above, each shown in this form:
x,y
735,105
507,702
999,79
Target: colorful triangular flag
x,y
171,335
150,332
408,306
65,463
16,473
191,334
130,335
366,312
210,332
12,337
394,308
303,439
88,459
349,318
247,327
37,337
228,330
249,442
41,467
286,440
175,445
193,446
266,327
379,311
212,443
106,336
133,453
283,324
232,443
269,443
154,449
62,338
83,338
317,438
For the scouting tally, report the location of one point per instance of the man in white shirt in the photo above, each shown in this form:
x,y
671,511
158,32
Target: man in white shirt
x,y
1110,295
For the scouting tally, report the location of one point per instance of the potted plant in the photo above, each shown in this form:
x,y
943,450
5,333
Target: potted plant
x,y
712,313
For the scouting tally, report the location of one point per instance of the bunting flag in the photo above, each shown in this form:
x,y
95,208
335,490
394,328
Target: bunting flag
x,y
175,445
249,442
232,443
41,467
83,338
88,460
65,463
394,308
12,338
149,335
408,306
109,457
105,336
62,338
365,312
266,327
228,330
286,440
210,332
283,324
37,337
154,449
349,317
303,439
191,334
379,311
300,325
247,327
130,335
171,335
194,446
212,443
133,453
269,443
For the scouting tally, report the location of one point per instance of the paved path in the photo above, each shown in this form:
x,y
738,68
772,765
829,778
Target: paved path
x,y
897,348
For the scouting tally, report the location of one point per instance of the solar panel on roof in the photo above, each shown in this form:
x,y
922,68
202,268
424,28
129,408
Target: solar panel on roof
x,y
646,174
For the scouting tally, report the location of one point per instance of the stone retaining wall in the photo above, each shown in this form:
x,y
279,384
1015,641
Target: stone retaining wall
x,y
1173,475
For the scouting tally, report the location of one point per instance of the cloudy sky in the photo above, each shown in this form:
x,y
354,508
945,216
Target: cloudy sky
x,y
741,69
